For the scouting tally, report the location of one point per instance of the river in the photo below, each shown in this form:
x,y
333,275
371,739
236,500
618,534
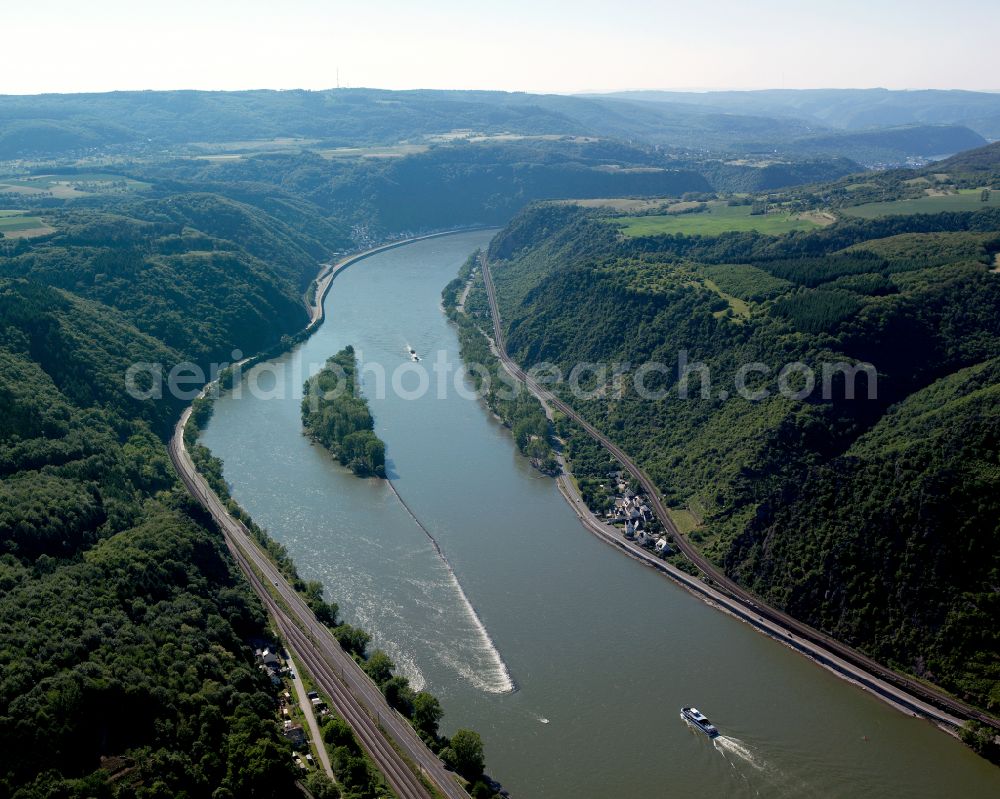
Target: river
x,y
602,650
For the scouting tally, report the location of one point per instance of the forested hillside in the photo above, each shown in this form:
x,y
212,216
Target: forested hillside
x,y
127,669
891,145
148,124
874,518
452,185
148,121
466,183
198,271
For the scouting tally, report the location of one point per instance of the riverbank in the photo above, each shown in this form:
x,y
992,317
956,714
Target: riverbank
x,y
212,491
329,271
529,423
766,619
311,640
315,306
604,652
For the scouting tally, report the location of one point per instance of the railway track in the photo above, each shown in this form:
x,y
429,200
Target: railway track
x,y
351,692
897,688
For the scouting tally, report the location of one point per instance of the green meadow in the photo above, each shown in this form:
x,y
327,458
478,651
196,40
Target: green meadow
x,y
717,219
68,186
965,200
11,221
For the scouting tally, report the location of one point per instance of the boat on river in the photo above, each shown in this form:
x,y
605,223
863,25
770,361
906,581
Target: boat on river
x,y
696,718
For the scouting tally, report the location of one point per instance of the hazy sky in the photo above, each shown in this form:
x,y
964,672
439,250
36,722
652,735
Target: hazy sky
x,y
530,45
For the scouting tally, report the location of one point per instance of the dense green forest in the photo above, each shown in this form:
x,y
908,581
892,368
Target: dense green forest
x,y
336,415
889,145
349,202
198,271
127,669
516,408
459,183
118,591
872,517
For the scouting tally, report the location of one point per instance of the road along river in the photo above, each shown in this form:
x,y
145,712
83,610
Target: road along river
x,y
603,651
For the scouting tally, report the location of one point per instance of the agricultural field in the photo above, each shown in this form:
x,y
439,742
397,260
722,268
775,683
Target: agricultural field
x,y
633,204
740,309
744,281
719,218
684,519
387,151
236,149
66,187
17,225
476,137
964,200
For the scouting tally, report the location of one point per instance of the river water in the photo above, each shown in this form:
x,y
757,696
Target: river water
x,y
603,651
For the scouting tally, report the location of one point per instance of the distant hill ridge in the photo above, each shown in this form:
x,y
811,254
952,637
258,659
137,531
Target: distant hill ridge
x,y
850,109
978,160
54,124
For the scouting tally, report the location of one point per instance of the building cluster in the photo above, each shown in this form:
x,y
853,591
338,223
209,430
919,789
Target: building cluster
x,y
277,666
271,663
631,511
319,707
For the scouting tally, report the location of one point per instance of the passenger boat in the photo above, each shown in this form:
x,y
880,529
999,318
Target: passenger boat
x,y
698,719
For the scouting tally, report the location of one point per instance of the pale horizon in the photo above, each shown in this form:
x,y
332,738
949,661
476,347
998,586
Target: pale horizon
x,y
559,48
568,93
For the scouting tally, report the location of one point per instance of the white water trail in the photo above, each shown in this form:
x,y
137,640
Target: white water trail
x,y
408,667
736,747
498,681
766,779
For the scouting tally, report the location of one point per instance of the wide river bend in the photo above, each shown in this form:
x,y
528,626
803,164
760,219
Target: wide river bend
x,y
602,650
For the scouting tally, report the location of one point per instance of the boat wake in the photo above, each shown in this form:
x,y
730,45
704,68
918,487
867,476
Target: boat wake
x,y
762,778
497,680
734,747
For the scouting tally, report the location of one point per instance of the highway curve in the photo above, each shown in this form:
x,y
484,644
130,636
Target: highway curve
x,y
896,688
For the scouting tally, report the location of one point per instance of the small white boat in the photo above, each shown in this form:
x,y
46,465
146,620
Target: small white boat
x,y
696,718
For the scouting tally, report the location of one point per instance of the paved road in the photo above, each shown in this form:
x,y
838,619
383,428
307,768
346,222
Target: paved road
x,y
720,589
307,710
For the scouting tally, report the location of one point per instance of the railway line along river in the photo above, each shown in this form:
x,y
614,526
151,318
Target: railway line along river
x,y
603,651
